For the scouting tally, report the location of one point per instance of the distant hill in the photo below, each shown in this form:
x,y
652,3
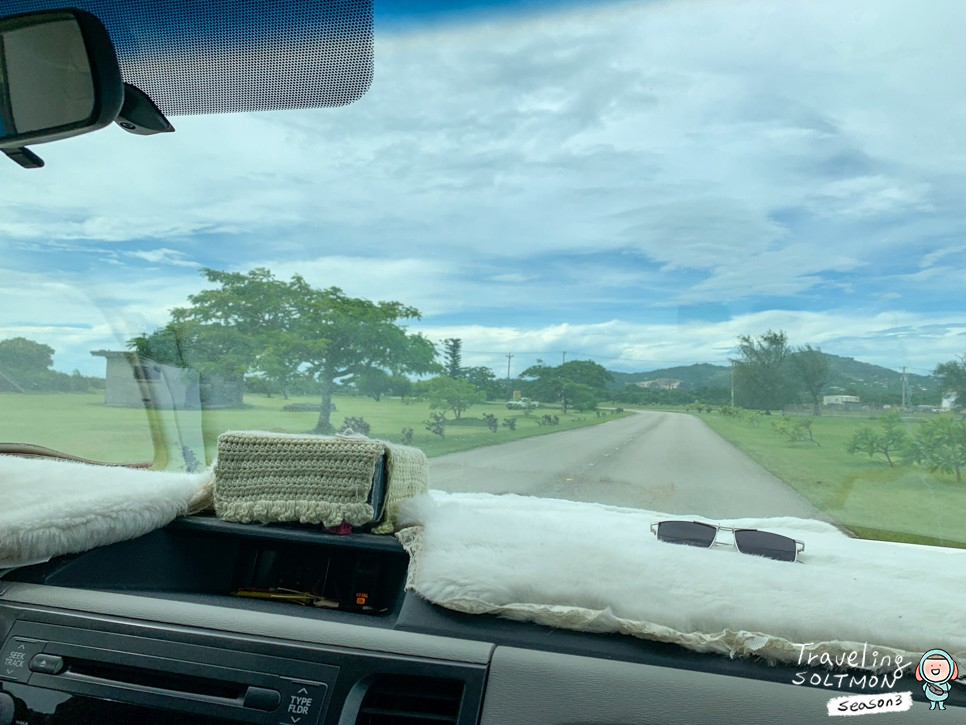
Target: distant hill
x,y
847,376
699,375
851,376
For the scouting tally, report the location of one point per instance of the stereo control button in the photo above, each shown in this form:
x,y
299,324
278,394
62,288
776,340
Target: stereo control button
x,y
15,657
302,702
47,664
261,698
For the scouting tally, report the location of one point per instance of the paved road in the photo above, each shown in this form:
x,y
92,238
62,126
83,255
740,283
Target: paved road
x,y
669,462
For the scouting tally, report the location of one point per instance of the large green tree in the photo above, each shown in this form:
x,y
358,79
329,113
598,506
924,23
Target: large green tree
x,y
810,367
484,380
445,393
255,323
952,379
578,380
374,383
210,349
21,354
761,372
453,356
25,364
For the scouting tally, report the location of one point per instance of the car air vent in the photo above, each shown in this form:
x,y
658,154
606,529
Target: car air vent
x,y
408,700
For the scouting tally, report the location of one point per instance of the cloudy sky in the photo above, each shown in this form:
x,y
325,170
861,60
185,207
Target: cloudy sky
x,y
636,183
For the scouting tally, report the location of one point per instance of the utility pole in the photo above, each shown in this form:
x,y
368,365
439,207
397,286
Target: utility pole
x,y
509,357
732,383
563,358
903,387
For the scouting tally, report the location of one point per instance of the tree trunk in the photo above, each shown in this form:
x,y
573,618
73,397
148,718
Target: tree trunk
x,y
325,409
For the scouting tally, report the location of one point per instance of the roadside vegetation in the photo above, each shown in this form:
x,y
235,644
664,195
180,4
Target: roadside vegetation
x,y
885,476
886,471
80,423
259,352
301,359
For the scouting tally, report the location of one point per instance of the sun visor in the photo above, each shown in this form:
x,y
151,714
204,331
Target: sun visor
x,y
225,56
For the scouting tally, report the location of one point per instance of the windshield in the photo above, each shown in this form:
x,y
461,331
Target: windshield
x,y
695,257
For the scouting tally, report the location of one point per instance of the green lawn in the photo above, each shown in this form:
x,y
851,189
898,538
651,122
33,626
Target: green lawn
x,y
902,503
80,423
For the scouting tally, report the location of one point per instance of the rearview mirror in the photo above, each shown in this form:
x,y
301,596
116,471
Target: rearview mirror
x,y
59,77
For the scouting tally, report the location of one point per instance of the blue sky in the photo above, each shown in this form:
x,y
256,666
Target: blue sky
x,y
638,183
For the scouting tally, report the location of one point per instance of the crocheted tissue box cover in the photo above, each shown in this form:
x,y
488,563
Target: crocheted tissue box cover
x,y
271,477
407,474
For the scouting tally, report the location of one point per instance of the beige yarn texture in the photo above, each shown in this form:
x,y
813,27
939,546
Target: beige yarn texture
x,y
407,474
272,477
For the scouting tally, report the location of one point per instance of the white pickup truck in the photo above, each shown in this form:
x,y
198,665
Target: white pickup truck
x,y
521,404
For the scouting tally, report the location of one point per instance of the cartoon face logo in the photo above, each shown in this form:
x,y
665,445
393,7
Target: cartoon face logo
x,y
935,670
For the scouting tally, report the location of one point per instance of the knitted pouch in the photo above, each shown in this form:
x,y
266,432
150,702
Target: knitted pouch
x,y
272,477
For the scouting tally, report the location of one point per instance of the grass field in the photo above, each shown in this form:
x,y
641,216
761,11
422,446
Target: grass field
x,y
868,497
903,503
80,423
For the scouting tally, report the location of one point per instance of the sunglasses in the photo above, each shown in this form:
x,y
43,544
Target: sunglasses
x,y
747,541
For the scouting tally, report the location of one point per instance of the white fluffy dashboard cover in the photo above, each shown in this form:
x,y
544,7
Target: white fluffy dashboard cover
x,y
599,568
50,507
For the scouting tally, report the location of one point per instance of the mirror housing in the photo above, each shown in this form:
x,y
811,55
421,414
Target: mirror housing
x,y
59,77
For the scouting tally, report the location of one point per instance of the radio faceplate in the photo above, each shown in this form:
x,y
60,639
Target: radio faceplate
x,y
79,675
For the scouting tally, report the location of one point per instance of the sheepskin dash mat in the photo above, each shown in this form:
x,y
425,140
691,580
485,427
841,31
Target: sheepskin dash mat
x,y
599,568
51,507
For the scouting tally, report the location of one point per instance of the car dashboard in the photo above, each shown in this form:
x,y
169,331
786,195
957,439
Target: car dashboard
x,y
150,631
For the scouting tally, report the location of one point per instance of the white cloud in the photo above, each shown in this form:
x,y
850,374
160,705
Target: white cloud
x,y
890,340
781,272
580,160
869,196
163,256
928,260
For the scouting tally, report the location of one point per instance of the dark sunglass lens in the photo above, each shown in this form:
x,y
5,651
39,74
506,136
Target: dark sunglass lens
x,y
763,543
686,532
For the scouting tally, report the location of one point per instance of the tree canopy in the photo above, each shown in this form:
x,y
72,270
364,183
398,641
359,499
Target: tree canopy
x,y
254,323
578,383
24,363
445,393
761,375
26,366
453,356
810,366
484,380
952,379
19,353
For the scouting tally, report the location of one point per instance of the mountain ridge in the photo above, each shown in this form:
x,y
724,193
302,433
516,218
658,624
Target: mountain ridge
x,y
847,376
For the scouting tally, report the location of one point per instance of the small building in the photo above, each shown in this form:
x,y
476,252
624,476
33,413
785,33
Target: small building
x,y
948,401
660,384
841,400
135,382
